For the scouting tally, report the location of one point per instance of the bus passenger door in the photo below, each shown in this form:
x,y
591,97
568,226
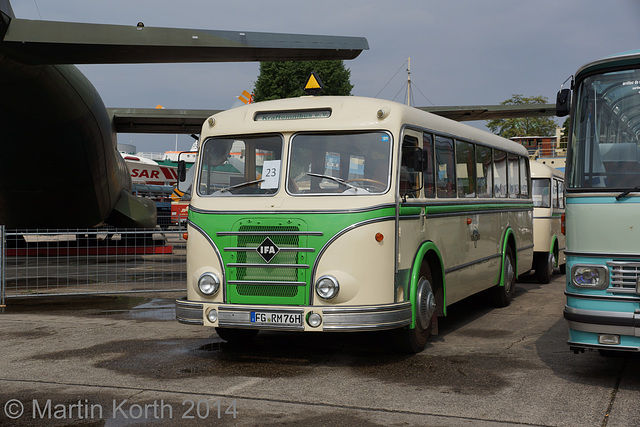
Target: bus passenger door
x,y
411,227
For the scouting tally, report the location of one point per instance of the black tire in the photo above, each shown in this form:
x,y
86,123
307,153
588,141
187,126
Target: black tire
x,y
237,335
563,269
545,265
611,353
413,341
502,295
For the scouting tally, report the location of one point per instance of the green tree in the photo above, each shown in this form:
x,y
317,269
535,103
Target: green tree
x,y
523,126
286,79
564,134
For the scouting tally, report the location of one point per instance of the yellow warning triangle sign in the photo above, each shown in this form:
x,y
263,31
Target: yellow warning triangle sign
x,y
314,84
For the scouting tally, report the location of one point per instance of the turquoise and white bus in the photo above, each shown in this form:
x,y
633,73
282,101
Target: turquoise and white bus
x,y
547,186
350,214
603,205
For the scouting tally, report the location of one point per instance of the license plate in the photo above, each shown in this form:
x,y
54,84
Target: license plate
x,y
280,319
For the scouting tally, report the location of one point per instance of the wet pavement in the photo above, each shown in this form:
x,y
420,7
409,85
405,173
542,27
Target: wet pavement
x,y
118,361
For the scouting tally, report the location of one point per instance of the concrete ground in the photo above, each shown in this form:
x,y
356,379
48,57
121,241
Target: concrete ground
x,y
118,361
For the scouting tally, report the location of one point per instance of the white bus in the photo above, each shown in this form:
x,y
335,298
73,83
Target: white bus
x,y
350,214
603,205
547,186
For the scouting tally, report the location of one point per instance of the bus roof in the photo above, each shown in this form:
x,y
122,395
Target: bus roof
x,y
617,60
540,170
320,113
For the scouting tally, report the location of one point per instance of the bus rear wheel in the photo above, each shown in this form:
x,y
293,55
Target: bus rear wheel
x,y
413,340
502,294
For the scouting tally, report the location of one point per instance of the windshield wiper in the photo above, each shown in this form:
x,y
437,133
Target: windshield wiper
x,y
332,178
242,184
627,192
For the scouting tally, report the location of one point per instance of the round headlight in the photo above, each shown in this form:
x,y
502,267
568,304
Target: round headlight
x,y
208,284
327,287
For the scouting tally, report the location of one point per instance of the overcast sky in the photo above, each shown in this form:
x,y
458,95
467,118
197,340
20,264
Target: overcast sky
x,y
463,52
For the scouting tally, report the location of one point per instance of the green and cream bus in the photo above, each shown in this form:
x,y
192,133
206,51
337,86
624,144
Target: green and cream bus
x,y
350,214
547,187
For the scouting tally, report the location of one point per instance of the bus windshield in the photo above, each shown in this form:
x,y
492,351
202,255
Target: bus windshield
x,y
540,188
606,125
346,163
240,165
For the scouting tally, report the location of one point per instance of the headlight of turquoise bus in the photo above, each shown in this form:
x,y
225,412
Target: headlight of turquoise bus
x,y
589,276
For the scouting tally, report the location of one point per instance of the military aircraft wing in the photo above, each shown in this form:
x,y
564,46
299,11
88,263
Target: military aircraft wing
x,y
153,120
188,121
51,42
490,112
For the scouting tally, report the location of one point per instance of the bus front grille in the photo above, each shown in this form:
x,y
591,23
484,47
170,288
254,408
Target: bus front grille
x,y
282,275
624,276
267,291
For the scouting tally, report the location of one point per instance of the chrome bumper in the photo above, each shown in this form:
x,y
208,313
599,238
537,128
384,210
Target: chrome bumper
x,y
353,318
603,322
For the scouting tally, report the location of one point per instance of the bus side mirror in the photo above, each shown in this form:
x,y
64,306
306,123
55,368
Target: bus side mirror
x,y
419,164
182,171
563,102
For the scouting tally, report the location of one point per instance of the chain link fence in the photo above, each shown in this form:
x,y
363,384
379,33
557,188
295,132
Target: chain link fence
x,y
91,261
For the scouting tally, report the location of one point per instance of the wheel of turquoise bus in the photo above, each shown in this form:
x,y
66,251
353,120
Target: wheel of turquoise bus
x,y
502,295
413,340
545,267
236,335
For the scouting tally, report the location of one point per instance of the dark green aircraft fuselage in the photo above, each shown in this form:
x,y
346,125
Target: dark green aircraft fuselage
x,y
51,175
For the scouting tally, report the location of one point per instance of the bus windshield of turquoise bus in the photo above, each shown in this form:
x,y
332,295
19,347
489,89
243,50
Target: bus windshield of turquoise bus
x,y
605,132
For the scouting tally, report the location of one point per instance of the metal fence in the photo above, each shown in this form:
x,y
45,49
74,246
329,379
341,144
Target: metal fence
x,y
91,261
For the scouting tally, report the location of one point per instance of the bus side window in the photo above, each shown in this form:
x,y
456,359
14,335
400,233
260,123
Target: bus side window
x,y
409,177
514,177
484,171
445,167
428,175
524,178
500,173
466,169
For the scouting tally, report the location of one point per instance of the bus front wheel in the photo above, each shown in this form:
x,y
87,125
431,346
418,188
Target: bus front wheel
x,y
545,265
413,340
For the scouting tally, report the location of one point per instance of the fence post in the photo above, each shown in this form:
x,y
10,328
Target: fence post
x,y
2,268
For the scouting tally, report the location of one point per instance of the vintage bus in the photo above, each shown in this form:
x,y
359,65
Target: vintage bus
x,y
350,214
547,187
603,205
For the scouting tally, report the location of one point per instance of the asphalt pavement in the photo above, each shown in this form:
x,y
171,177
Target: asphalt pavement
x,y
119,361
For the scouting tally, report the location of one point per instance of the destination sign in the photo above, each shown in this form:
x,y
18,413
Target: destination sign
x,y
292,115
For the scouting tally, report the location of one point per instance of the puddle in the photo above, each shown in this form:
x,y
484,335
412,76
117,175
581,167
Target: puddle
x,y
155,309
131,307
